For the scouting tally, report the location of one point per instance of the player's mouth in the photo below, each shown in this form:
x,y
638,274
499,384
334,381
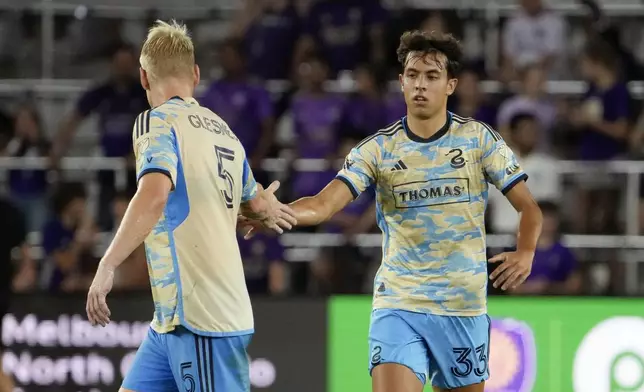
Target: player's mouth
x,y
419,99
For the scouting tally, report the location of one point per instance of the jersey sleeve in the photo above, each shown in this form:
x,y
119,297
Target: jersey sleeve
x,y
360,167
249,185
155,146
500,165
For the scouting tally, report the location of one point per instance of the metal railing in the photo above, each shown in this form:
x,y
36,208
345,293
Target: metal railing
x,y
305,247
631,169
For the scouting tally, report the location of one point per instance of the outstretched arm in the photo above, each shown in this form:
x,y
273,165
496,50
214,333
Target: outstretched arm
x,y
313,210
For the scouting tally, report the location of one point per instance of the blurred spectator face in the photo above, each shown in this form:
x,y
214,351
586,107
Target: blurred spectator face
x,y
526,134
533,81
365,81
232,61
468,86
550,227
434,22
312,75
426,84
124,65
76,209
588,68
26,126
532,7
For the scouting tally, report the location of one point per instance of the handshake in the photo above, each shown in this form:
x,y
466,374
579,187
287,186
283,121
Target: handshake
x,y
265,213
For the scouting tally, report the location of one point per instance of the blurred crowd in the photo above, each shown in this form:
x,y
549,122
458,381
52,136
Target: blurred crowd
x,y
306,44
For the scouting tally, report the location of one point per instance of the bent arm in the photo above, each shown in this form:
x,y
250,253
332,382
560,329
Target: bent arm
x,y
142,214
530,217
313,210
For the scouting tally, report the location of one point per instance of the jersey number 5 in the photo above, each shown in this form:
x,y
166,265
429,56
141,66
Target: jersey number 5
x,y
224,154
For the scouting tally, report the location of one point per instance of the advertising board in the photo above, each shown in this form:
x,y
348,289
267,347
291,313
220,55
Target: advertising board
x,y
537,345
50,346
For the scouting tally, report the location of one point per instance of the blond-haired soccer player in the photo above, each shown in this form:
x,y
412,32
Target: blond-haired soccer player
x,y
193,179
431,170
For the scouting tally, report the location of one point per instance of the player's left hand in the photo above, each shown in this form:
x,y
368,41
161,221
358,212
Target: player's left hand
x,y
514,269
97,311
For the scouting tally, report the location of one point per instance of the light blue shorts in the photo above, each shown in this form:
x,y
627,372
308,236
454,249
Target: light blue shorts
x,y
180,361
451,351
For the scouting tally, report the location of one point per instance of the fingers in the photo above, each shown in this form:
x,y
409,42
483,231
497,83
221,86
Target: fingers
x,y
275,185
98,312
288,215
498,258
515,280
250,233
89,311
275,227
498,270
509,276
511,279
104,310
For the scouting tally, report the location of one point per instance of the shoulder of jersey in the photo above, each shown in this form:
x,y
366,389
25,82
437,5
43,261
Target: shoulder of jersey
x,y
467,125
387,132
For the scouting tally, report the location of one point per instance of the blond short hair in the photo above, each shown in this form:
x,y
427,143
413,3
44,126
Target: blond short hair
x,y
168,51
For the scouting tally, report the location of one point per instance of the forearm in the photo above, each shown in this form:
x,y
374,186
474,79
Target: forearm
x,y
529,228
140,218
617,131
309,211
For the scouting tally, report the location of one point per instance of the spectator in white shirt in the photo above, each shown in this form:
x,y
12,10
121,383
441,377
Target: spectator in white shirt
x,y
532,98
544,177
534,34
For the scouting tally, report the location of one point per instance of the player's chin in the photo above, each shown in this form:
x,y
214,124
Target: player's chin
x,y
421,112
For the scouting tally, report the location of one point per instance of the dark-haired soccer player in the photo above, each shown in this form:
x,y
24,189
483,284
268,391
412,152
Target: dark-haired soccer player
x,y
431,171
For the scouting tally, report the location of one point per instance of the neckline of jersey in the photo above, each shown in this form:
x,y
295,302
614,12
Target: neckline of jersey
x,y
441,132
189,100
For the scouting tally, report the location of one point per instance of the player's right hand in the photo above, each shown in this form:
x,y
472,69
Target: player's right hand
x,y
279,216
98,312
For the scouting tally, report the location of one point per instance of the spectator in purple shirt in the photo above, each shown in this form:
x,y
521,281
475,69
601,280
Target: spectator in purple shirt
x,y
469,101
316,113
246,106
603,115
68,240
264,267
345,32
28,187
367,109
602,123
269,30
117,102
555,269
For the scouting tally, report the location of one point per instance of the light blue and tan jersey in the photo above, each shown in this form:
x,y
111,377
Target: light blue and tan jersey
x,y
193,258
431,199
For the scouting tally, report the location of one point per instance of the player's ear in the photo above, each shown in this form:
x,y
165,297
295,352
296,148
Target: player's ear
x,y
145,83
197,75
400,79
451,86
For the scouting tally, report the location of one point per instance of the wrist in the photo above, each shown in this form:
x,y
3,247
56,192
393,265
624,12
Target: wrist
x,y
108,265
527,252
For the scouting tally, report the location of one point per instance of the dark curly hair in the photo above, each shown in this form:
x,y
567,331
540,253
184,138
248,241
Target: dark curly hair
x,y
431,43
